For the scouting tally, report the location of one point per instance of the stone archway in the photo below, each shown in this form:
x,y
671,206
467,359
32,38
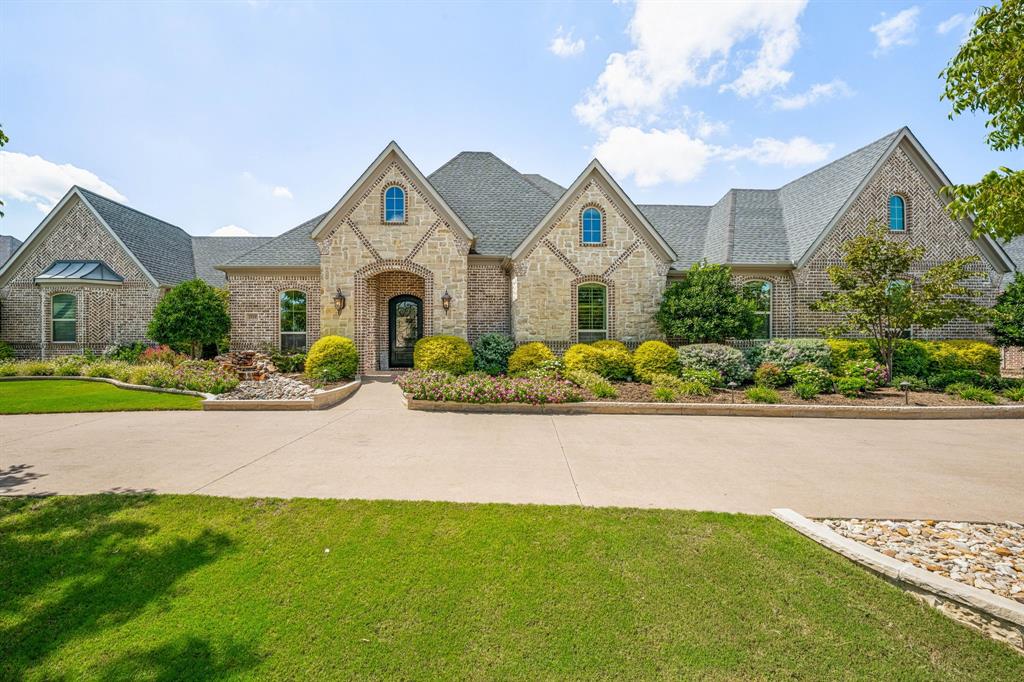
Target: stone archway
x,y
375,286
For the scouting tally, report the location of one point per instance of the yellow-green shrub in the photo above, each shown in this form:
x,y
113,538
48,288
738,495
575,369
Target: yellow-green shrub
x,y
844,350
529,356
610,344
960,354
332,358
450,354
110,369
609,361
654,357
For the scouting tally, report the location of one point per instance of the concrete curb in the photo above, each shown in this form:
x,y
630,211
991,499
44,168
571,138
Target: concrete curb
x,y
730,410
1008,614
115,382
319,401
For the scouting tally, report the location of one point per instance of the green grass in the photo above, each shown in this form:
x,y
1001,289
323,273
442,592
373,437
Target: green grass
x,y
45,396
180,587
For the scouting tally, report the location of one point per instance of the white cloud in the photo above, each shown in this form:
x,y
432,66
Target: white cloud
x,y
563,45
683,44
231,231
951,23
654,156
895,31
764,151
818,91
281,192
33,179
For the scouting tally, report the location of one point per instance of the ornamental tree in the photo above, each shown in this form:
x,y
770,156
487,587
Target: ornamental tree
x,y
707,307
878,297
986,76
1008,314
191,315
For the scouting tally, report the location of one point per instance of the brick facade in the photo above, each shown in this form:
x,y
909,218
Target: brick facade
x,y
489,304
106,314
255,305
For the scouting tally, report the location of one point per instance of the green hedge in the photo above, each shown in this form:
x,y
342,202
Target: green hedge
x,y
332,358
450,354
529,356
610,360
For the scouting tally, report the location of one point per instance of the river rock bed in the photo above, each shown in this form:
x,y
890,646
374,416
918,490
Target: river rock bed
x,y
989,556
275,387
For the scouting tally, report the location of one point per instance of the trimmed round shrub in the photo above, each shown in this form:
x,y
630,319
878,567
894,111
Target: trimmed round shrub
x,y
610,344
610,362
788,353
911,358
6,352
770,375
450,354
812,375
948,356
844,350
851,387
529,356
726,360
333,358
871,372
654,357
491,353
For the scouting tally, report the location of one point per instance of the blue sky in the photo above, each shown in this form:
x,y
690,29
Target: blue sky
x,y
261,114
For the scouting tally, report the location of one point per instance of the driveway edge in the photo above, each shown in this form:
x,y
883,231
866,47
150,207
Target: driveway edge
x,y
997,617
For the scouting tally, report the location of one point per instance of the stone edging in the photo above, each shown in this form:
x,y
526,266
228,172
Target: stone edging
x,y
731,409
319,401
115,382
997,617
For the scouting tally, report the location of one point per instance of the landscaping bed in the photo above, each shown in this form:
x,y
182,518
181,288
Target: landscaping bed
x,y
47,396
205,587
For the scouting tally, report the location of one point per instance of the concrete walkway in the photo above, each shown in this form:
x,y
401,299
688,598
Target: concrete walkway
x,y
371,447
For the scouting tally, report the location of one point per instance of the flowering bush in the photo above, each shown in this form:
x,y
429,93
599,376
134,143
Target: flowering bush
x,y
788,353
871,372
812,375
481,388
109,369
851,387
69,366
654,357
155,374
529,356
491,352
726,360
126,352
770,375
163,354
205,376
595,383
612,361
27,368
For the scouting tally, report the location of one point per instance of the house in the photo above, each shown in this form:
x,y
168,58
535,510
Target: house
x,y
8,245
479,247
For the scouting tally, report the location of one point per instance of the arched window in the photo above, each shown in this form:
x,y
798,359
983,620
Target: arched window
x,y
64,317
591,312
760,293
592,226
293,320
394,205
897,213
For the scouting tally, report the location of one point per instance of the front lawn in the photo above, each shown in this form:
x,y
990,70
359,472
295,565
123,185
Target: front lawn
x,y
179,587
55,395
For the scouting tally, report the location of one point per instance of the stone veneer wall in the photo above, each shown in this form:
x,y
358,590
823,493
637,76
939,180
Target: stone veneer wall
x,y
489,307
107,314
927,224
546,277
358,245
255,307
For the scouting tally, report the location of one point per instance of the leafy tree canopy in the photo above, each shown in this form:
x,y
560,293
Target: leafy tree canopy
x,y
191,315
877,296
986,75
706,307
1008,314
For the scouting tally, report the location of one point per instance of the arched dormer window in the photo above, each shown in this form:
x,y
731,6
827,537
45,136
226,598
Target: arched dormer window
x,y
760,292
593,227
897,213
394,205
591,312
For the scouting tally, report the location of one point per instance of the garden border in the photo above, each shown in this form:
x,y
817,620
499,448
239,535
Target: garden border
x,y
997,617
319,401
114,382
729,409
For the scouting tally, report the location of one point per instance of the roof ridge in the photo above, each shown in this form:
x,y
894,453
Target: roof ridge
x,y
844,156
129,208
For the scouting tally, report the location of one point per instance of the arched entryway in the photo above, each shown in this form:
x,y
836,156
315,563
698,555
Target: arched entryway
x,y
405,328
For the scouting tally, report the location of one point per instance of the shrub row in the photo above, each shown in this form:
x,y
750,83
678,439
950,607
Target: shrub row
x,y
478,387
204,376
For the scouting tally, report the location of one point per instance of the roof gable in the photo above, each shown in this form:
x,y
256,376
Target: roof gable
x,y
393,154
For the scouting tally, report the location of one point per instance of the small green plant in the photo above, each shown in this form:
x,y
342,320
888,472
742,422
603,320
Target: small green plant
x,y
492,351
592,382
813,375
913,383
6,352
529,356
974,393
126,352
941,380
770,375
805,391
333,358
851,387
663,394
288,361
109,369
155,374
1015,394
708,377
654,357
681,387
763,394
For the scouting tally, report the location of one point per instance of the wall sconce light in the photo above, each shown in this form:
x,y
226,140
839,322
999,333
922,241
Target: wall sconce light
x,y
339,300
446,301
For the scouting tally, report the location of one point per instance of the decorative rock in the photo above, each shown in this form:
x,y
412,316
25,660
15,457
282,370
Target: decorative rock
x,y
275,387
249,365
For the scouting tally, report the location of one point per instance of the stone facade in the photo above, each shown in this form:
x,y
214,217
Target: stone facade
x,y
927,225
546,277
107,314
256,308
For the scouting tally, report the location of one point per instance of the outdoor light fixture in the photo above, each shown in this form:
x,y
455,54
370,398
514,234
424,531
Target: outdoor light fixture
x,y
339,300
905,386
446,301
732,390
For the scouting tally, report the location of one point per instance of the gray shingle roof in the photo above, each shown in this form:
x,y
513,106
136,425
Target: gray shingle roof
x,y
684,228
498,204
294,248
165,250
208,252
549,187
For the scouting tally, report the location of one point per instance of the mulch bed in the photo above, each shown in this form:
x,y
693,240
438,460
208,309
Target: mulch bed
x,y
630,392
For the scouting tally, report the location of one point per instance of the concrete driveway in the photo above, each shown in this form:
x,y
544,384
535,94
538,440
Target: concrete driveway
x,y
371,447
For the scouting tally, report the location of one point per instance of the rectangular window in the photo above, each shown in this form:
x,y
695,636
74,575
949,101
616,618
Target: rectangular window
x,y
592,313
293,320
64,312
